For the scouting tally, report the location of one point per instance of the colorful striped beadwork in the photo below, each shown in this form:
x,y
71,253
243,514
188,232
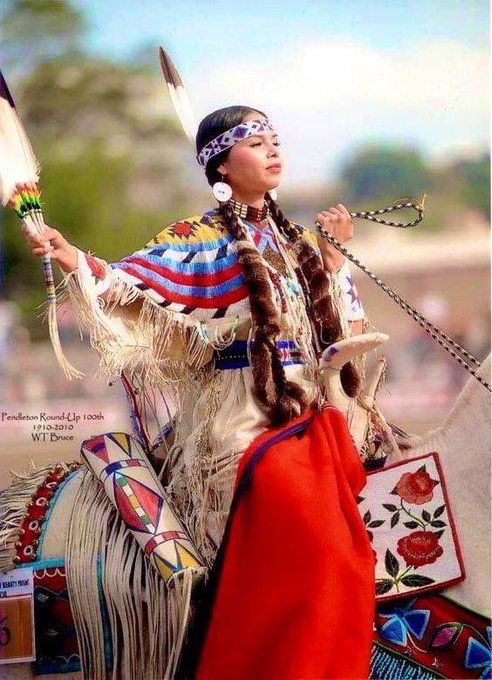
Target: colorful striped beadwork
x,y
236,355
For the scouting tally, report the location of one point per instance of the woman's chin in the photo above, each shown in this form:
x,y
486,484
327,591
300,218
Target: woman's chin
x,y
273,184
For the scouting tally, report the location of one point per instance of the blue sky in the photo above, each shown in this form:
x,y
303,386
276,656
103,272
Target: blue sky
x,y
331,75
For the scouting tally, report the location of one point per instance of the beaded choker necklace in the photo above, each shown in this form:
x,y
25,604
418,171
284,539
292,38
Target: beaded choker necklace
x,y
248,212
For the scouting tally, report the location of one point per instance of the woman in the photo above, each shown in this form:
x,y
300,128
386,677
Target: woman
x,y
226,315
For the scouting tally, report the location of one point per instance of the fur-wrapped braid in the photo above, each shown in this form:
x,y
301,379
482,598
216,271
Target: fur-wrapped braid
x,y
284,399
320,306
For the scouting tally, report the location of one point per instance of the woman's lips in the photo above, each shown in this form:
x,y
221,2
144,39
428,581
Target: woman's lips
x,y
274,168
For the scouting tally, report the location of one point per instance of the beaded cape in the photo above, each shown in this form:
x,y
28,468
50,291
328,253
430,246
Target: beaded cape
x,y
183,293
191,266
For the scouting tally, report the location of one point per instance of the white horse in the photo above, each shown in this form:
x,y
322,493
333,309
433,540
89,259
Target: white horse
x,y
463,444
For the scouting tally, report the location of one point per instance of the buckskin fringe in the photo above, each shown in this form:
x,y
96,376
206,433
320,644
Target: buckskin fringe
x,y
140,341
148,619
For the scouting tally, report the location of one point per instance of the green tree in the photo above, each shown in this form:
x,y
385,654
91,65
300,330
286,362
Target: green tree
x,y
112,155
382,170
34,30
475,178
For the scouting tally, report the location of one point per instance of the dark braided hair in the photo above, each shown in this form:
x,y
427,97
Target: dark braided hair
x,y
320,304
283,398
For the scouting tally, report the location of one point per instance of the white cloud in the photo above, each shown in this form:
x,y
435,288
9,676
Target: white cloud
x,y
326,96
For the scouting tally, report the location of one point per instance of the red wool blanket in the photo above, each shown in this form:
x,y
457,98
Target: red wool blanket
x,y
292,591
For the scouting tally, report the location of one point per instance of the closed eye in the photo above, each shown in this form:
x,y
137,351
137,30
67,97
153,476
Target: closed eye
x,y
259,143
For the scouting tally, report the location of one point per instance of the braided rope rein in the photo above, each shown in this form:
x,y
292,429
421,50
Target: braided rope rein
x,y
436,333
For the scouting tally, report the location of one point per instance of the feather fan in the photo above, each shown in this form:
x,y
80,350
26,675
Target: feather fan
x,y
19,176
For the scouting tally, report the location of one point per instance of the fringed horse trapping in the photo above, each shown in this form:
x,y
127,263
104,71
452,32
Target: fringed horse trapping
x,y
127,619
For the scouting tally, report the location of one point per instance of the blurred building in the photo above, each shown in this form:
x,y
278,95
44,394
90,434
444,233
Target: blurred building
x,y
445,277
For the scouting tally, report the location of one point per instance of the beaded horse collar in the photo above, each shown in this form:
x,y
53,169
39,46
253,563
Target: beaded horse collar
x,y
247,212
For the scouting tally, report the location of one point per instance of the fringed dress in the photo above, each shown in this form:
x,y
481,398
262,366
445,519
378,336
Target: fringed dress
x,y
174,320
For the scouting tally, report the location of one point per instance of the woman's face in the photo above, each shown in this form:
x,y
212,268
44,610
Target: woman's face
x,y
254,164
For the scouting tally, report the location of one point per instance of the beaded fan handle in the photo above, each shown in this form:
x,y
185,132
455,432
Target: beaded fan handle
x,y
26,204
448,343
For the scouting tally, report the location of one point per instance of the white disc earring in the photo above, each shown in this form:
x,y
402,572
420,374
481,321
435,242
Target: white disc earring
x,y
273,194
222,191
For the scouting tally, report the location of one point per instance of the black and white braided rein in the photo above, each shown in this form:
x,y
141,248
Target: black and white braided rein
x,y
436,333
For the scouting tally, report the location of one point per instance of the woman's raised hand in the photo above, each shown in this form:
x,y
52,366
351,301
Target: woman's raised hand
x,y
53,242
338,223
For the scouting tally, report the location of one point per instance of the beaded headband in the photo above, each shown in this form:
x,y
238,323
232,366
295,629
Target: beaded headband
x,y
231,137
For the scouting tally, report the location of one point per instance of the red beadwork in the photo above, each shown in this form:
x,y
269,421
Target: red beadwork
x,y
97,269
275,278
36,509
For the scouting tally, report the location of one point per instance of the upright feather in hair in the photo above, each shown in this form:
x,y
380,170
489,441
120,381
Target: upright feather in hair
x,y
179,96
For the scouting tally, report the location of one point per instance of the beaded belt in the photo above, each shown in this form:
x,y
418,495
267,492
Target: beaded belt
x,y
236,354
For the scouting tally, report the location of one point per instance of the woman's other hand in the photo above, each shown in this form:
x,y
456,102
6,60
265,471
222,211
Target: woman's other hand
x,y
53,242
338,223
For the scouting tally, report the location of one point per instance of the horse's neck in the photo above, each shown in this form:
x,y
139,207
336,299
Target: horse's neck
x,y
472,401
468,418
